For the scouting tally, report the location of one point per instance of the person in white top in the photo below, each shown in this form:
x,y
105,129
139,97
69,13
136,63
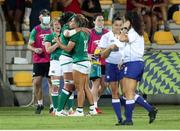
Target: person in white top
x,y
112,50
133,66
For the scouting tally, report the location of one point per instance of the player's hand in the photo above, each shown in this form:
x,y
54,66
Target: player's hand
x,y
114,47
120,66
57,40
38,50
86,30
96,42
90,56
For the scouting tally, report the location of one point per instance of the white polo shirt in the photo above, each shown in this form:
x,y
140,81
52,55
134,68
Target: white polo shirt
x,y
108,39
134,49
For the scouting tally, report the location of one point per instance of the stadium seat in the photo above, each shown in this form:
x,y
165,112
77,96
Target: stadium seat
x,y
2,2
174,1
164,38
106,2
146,39
108,22
12,40
176,17
23,79
122,2
56,14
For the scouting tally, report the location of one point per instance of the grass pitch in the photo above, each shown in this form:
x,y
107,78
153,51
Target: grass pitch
x,y
168,118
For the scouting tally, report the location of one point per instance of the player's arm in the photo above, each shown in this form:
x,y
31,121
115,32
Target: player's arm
x,y
69,33
105,52
123,37
31,42
105,49
67,47
50,48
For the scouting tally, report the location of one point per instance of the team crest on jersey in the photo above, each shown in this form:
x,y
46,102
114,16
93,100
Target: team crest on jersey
x,y
53,71
53,41
43,36
112,41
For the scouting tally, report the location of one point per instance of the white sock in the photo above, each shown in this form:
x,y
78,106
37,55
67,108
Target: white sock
x,y
40,102
51,105
95,104
91,107
79,109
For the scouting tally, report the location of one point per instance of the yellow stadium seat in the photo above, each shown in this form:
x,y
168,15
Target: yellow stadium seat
x,y
164,38
23,78
106,2
2,2
108,22
122,2
12,40
174,1
56,14
146,39
176,17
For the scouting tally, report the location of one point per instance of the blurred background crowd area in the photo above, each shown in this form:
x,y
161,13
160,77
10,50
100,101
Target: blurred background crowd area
x,y
22,15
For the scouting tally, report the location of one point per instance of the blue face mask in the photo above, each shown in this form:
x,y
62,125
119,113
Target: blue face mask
x,y
46,20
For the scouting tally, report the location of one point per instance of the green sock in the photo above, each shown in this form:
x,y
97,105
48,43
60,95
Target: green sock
x,y
55,99
70,102
62,99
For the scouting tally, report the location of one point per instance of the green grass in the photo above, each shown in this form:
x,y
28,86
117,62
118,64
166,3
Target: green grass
x,y
168,118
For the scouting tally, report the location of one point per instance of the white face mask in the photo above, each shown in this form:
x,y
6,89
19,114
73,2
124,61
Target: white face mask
x,y
98,28
46,20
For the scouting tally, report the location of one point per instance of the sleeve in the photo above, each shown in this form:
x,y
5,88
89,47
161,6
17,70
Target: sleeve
x,y
103,42
132,35
74,38
32,35
48,38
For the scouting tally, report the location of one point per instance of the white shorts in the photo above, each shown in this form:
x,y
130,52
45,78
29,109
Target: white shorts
x,y
83,67
66,63
55,68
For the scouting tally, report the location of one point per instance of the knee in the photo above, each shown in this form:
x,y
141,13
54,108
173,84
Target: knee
x,y
37,83
69,85
55,83
147,19
130,95
115,93
154,19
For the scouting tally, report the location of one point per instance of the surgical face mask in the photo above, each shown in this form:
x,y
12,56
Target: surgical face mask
x,y
98,29
46,20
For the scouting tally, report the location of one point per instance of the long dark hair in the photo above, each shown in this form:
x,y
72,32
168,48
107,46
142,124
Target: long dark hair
x,y
66,17
135,20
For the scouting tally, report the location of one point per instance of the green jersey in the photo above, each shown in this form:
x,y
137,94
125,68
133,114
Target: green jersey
x,y
79,52
55,54
65,40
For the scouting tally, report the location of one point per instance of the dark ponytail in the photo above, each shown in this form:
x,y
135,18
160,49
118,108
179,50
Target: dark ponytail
x,y
136,21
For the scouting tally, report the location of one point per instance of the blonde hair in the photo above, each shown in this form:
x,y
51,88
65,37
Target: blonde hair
x,y
52,21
